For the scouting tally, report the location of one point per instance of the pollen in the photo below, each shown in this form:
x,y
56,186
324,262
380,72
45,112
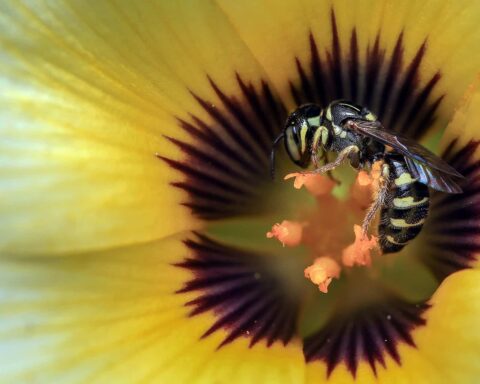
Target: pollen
x,y
366,185
372,178
322,271
316,184
360,252
364,179
289,233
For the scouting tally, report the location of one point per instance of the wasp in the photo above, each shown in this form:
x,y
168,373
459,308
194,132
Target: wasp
x,y
355,134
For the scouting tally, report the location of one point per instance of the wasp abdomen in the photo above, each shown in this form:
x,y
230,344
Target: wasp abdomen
x,y
406,207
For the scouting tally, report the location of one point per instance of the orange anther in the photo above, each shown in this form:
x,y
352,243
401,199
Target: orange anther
x,y
289,233
359,253
322,271
316,184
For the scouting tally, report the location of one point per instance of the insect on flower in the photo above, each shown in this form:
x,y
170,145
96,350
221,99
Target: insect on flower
x,y
407,169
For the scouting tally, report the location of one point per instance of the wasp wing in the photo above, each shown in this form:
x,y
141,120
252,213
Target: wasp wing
x,y
424,165
432,177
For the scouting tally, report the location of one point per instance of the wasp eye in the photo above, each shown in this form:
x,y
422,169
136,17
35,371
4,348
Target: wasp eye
x,y
292,143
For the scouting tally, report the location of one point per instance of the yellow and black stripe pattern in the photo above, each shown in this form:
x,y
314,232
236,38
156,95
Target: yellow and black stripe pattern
x,y
406,207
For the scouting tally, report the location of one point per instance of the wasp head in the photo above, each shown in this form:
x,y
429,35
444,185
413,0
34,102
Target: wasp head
x,y
298,133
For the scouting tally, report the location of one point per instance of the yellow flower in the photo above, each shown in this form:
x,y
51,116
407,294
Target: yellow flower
x,y
135,193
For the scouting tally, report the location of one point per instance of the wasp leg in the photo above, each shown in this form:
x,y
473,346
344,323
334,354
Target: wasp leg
x,y
381,195
344,154
316,159
330,173
323,159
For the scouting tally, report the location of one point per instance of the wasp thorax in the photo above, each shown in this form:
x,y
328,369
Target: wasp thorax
x,y
338,112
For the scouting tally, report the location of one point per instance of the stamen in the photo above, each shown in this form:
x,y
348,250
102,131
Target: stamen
x,y
359,253
289,233
316,184
322,271
323,229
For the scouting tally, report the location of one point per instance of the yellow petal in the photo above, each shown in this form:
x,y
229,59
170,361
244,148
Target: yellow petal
x,y
114,316
447,347
63,190
449,240
451,340
449,28
465,123
88,91
128,56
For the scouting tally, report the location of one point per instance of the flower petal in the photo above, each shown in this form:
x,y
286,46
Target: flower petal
x,y
63,189
365,334
88,92
113,316
451,238
226,168
464,125
451,342
423,43
446,348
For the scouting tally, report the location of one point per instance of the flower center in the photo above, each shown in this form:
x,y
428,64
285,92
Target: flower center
x,y
326,230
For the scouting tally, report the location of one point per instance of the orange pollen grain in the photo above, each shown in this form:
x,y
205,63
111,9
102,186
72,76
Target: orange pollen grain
x,y
322,271
289,233
364,179
366,185
359,253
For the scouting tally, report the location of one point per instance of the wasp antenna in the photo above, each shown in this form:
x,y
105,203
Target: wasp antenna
x,y
272,155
